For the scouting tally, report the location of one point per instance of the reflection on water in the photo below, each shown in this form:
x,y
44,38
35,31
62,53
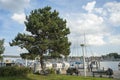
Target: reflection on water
x,y
109,64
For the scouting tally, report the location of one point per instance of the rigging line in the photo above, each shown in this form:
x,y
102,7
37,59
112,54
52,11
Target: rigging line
x,y
77,48
87,47
91,51
73,53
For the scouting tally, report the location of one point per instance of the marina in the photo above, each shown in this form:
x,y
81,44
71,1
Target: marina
x,y
61,39
64,65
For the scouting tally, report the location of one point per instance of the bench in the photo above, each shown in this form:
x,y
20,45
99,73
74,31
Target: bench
x,y
101,72
72,71
108,72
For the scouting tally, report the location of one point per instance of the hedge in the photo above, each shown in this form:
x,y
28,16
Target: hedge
x,y
14,71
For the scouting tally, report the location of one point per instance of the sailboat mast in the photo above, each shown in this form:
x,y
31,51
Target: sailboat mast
x,y
83,51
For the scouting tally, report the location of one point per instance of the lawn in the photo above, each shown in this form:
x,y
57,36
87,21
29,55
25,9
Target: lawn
x,y
53,77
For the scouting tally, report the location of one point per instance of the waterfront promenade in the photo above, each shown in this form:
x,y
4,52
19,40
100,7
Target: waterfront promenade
x,y
115,75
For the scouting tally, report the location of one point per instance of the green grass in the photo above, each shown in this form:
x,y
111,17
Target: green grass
x,y
53,77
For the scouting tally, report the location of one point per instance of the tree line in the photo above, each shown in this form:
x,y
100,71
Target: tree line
x,y
111,55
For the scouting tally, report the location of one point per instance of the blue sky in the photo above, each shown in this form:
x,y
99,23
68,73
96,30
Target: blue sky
x,y
98,19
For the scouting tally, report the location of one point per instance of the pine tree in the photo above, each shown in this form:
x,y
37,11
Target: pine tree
x,y
48,34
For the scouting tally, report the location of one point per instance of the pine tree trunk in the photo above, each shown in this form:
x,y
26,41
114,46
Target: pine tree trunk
x,y
41,62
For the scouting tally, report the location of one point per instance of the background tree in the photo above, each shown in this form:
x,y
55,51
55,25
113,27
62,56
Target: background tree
x,y
2,48
111,55
48,34
115,55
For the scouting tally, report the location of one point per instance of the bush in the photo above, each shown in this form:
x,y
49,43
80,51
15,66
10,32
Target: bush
x,y
14,71
45,72
72,70
37,72
51,71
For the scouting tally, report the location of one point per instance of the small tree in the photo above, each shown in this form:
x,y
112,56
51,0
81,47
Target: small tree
x,y
48,34
2,48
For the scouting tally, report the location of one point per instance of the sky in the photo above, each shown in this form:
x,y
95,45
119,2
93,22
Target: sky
x,y
95,22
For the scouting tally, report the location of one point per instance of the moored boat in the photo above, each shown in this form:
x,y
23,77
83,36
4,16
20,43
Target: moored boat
x,y
119,66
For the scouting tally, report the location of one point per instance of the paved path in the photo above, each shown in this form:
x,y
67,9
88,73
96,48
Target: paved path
x,y
115,75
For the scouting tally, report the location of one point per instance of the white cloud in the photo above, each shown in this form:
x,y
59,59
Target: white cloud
x,y
98,24
114,39
6,44
95,40
21,50
90,6
90,24
100,11
112,7
59,2
88,39
19,17
14,5
115,19
111,12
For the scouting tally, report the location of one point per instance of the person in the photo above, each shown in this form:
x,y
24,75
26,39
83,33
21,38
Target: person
x,y
110,72
77,71
88,68
91,67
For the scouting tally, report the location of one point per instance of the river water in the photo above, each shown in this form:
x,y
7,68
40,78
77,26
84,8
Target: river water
x,y
110,64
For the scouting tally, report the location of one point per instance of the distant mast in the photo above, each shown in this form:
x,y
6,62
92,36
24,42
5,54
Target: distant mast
x,y
83,51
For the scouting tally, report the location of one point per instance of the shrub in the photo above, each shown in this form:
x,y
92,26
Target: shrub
x,y
45,72
72,70
37,72
51,71
14,71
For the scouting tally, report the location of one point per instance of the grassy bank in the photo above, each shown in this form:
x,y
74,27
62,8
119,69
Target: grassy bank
x,y
53,77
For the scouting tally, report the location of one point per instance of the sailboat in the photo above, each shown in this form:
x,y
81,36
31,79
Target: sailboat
x,y
90,63
119,66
